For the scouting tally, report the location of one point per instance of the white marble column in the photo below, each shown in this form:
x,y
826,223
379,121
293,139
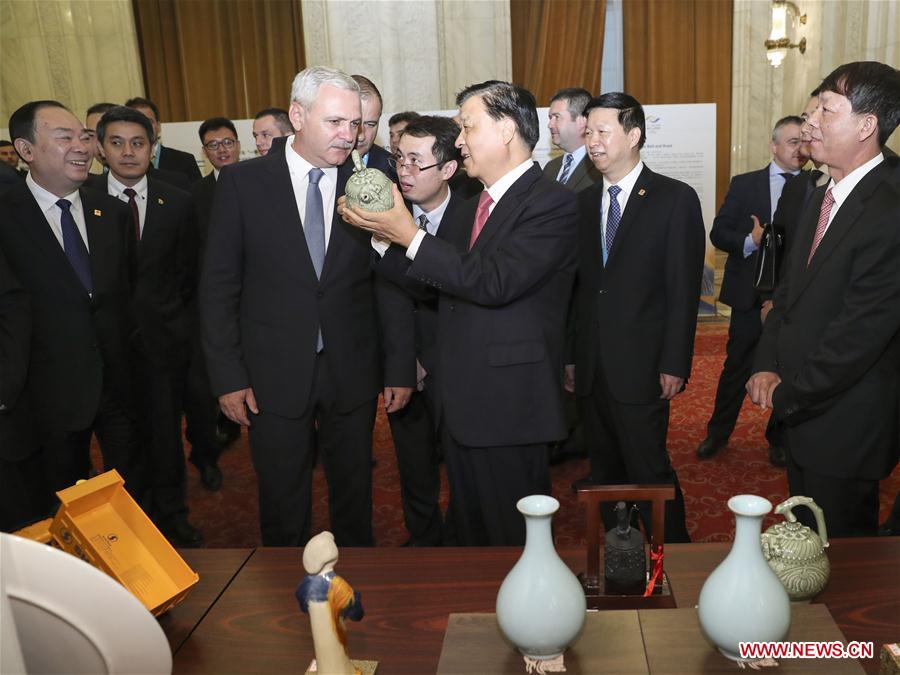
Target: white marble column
x,y
78,52
837,31
418,52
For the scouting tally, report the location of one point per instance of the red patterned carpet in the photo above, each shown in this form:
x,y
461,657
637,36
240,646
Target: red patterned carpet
x,y
229,518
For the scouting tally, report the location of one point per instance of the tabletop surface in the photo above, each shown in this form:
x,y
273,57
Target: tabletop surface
x,y
243,617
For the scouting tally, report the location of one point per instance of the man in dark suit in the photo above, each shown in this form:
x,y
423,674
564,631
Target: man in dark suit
x,y
166,266
91,120
10,158
371,154
290,311
70,250
827,362
737,230
208,429
641,248
24,495
573,168
168,159
426,160
504,272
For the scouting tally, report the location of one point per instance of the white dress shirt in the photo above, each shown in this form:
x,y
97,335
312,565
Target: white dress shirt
x,y
299,169
842,189
577,155
627,187
47,202
496,191
117,189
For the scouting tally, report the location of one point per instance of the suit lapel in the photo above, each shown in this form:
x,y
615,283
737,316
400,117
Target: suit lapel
x,y
508,205
641,191
579,173
340,231
98,221
844,221
281,199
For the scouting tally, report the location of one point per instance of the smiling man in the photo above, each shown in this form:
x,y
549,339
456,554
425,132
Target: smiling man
x,y
166,252
504,270
290,313
827,360
640,260
69,248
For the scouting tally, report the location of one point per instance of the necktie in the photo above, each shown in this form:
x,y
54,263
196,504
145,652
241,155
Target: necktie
x,y
423,222
815,175
824,214
314,230
135,214
567,165
613,217
481,216
74,247
786,175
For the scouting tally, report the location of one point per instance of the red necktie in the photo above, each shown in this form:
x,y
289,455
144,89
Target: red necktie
x,y
135,214
824,214
481,216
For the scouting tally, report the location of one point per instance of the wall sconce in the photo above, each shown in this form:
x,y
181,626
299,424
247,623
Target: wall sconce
x,y
784,14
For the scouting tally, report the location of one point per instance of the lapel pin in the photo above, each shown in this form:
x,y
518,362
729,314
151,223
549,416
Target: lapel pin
x,y
642,192
98,212
159,200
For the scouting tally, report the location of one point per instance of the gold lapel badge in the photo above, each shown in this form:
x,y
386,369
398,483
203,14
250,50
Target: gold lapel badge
x,y
642,192
98,212
159,200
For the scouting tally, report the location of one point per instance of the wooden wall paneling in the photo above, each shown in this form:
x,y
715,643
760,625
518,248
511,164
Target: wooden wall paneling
x,y
679,51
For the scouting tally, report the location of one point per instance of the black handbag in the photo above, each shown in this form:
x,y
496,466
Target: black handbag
x,y
769,256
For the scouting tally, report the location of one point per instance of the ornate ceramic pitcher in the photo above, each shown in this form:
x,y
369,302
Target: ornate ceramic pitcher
x,y
368,189
795,553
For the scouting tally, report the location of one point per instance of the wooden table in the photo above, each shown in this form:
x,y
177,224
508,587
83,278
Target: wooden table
x,y
255,624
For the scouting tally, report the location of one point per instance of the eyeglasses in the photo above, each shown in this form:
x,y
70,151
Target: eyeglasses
x,y
227,143
397,163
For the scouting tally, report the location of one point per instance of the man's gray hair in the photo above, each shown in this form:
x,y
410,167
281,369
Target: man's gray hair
x,y
308,82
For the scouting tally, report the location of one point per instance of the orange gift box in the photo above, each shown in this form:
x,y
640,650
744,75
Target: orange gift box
x,y
99,522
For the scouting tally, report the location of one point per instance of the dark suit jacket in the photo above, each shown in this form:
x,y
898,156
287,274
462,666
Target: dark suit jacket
x,y
80,345
832,335
16,433
8,175
261,304
182,162
637,315
378,159
204,192
747,195
583,176
502,314
425,299
165,274
794,198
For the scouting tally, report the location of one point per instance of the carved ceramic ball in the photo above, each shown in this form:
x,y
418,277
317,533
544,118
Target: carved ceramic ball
x,y
368,189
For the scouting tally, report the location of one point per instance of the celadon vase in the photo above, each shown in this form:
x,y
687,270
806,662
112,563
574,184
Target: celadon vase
x,y
743,600
541,605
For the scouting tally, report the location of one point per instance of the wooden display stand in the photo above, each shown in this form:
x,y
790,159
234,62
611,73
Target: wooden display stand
x,y
592,580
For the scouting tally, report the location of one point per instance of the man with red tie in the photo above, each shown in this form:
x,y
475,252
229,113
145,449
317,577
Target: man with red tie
x,y
504,272
827,362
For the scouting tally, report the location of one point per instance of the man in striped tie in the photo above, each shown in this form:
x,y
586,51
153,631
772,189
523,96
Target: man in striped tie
x,y
827,362
573,168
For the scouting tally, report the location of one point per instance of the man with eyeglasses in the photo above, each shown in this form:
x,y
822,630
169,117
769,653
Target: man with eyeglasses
x,y
504,275
425,161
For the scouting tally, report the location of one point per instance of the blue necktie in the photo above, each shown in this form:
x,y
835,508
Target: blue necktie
x,y
613,217
314,230
567,164
74,247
